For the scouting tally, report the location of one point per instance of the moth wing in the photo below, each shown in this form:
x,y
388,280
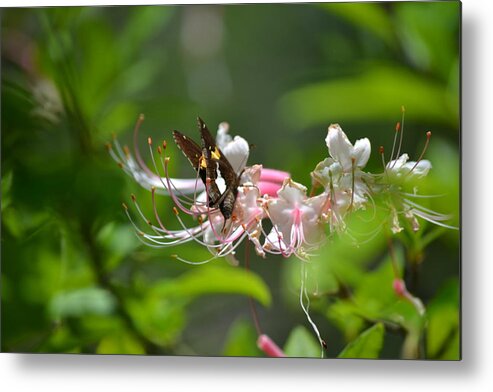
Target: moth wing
x,y
215,157
210,153
192,152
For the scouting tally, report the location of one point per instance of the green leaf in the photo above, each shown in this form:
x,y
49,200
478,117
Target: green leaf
x,y
302,344
366,345
241,341
375,94
213,279
89,300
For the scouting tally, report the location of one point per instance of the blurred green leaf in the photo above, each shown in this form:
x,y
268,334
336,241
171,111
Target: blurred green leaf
x,y
158,319
443,323
241,341
371,17
425,31
120,343
76,303
6,186
213,279
142,24
345,316
371,95
302,344
116,119
367,345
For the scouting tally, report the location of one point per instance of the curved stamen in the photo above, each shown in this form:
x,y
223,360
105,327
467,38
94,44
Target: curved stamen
x,y
428,137
305,310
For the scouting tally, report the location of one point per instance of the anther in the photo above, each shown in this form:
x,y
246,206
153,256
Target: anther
x,y
108,146
124,206
120,165
134,199
149,140
165,144
159,151
175,211
398,126
141,117
382,153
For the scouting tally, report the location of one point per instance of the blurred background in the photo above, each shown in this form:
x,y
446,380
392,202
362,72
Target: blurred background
x,y
76,279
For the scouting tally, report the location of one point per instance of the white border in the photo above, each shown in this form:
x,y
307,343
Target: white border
x,y
474,373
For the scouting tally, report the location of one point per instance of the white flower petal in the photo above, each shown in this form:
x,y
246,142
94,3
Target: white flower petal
x,y
397,164
418,170
361,152
340,148
237,151
222,136
292,192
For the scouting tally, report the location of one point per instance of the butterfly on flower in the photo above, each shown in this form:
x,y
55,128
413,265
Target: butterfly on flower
x,y
212,167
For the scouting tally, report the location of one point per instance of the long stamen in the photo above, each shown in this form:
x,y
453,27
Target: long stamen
x,y
139,159
175,199
397,129
381,151
403,110
184,197
352,184
428,137
253,308
323,345
157,239
193,262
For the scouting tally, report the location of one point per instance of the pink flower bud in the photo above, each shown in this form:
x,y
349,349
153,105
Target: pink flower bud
x,y
269,347
399,287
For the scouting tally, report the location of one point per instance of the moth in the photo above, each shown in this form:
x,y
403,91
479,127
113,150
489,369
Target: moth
x,y
211,164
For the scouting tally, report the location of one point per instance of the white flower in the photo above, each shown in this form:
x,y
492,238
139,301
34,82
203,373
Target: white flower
x,y
236,149
296,220
401,168
341,175
343,152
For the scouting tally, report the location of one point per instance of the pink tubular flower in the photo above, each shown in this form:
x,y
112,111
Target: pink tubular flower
x,y
266,344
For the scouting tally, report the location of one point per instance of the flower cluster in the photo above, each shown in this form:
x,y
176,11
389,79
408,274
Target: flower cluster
x,y
299,223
